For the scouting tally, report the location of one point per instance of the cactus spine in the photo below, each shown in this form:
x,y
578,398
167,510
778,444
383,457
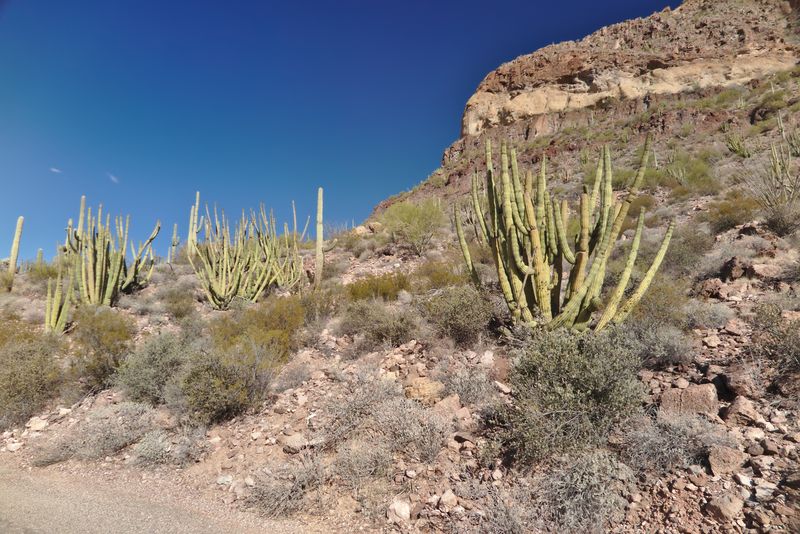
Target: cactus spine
x,y
319,262
58,301
526,231
98,253
12,260
248,261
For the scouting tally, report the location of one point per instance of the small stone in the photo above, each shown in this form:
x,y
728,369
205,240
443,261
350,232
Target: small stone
x,y
224,480
448,500
293,444
681,383
399,511
743,479
497,474
725,508
696,399
770,447
487,359
410,473
256,435
504,389
37,424
712,341
14,447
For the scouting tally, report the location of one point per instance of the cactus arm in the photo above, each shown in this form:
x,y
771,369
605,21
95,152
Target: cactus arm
x,y
462,241
619,290
561,232
12,263
637,295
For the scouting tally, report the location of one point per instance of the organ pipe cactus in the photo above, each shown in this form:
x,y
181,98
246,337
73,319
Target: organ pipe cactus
x,y
98,253
195,225
246,260
59,300
526,231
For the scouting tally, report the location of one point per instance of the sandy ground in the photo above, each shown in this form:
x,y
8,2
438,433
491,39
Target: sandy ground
x,y
46,501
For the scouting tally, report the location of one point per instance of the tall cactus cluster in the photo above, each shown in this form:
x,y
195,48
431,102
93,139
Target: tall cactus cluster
x,y
8,280
97,251
527,232
245,260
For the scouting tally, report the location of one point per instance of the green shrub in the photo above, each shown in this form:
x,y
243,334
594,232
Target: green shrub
x,y
570,390
687,247
414,224
323,303
374,324
102,336
735,209
692,175
146,372
214,390
386,286
273,325
461,313
178,302
29,373
39,273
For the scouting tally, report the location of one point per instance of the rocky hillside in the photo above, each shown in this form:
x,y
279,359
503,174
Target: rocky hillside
x,y
657,74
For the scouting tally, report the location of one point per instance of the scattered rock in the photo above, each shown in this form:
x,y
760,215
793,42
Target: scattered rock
x,y
696,399
724,460
448,500
399,511
741,412
293,444
504,389
725,508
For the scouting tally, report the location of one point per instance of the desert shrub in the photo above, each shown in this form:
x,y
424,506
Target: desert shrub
x,y
461,313
385,286
104,432
692,174
655,447
643,201
701,314
29,373
735,209
146,372
775,338
582,494
414,224
218,385
374,324
744,247
6,281
570,391
323,303
39,273
686,248
470,384
770,104
102,336
377,407
440,274
776,187
411,428
360,460
272,326
293,375
153,449
178,302
284,491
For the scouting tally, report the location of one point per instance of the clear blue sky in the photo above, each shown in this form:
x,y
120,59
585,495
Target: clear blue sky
x,y
137,104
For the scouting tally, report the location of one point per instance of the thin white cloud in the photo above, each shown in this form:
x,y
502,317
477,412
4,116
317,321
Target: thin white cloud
x,y
55,170
113,178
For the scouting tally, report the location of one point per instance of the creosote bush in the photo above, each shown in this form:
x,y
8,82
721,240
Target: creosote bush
x,y
102,336
570,390
178,302
440,274
414,224
29,373
461,313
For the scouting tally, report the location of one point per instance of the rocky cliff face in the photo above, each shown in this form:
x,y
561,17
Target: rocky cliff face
x,y
656,74
703,43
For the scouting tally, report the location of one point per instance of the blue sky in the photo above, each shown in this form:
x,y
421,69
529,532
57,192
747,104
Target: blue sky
x,y
137,104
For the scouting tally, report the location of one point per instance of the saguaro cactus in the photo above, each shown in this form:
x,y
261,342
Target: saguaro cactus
x,y
173,245
527,234
319,262
12,260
